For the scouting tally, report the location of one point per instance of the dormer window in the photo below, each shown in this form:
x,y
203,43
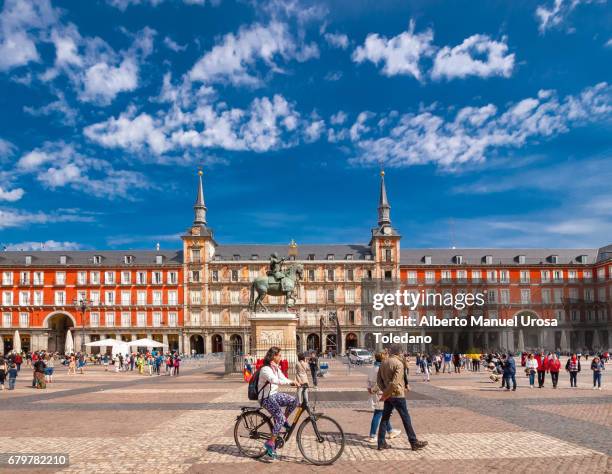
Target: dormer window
x,y
521,259
311,256
236,256
427,259
458,259
488,259
97,259
159,259
330,256
349,256
554,259
582,259
291,257
63,259
368,256
28,260
254,257
127,259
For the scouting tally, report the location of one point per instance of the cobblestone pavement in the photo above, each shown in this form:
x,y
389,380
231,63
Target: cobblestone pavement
x,y
125,422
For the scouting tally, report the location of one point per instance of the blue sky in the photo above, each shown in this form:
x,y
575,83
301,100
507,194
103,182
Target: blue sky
x,y
492,119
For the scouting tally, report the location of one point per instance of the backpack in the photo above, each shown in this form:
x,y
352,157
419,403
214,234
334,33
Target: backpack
x,y
253,384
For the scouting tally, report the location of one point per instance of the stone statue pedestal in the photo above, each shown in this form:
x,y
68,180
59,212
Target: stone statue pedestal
x,y
275,329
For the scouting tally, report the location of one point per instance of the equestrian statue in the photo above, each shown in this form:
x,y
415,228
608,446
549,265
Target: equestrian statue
x,y
277,282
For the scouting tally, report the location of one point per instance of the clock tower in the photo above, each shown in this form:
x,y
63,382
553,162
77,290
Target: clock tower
x,y
385,242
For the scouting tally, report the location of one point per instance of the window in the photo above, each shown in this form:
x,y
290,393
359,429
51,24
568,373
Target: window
x,y
554,259
582,259
330,274
488,259
195,276
505,296
109,297
215,297
236,257
38,298
447,275
60,298
254,257
601,294
476,276
24,320
546,296
525,276
7,278
558,295
558,275
430,277
127,259
214,275
330,256
234,275
126,298
172,319
62,259
492,276
172,278
521,259
331,296
60,278
157,319
172,298
311,256
459,259
81,278
492,314
28,260
575,316
311,296
157,278
573,293
427,259
235,297
492,295
141,319
235,318
195,317
7,298
195,297
95,298
157,298
39,278
94,319
349,256
94,277
388,274
7,320
350,274
525,296
349,295
97,259
560,315
601,274
126,320
109,277
462,275
588,294
214,318
412,278
110,319
159,259
24,298
311,275
572,275
141,298
388,255
587,275
545,276
504,276
126,277
24,278
195,255
141,278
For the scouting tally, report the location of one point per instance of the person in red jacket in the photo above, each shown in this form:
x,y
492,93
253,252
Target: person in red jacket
x,y
284,366
542,368
554,366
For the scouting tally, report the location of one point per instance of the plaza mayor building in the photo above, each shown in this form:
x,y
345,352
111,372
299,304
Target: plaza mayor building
x,y
196,299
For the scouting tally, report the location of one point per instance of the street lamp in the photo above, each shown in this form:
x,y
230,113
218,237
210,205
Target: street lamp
x,y
83,304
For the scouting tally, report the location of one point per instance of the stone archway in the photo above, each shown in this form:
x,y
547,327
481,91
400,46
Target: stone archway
x,y
58,325
331,343
217,343
197,344
370,341
313,343
351,340
236,344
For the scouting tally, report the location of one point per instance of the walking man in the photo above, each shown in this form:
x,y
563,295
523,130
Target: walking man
x,y
393,382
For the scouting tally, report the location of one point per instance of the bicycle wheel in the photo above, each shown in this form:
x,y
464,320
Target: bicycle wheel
x,y
251,430
321,440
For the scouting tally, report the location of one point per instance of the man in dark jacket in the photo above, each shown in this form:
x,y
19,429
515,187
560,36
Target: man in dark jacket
x,y
510,371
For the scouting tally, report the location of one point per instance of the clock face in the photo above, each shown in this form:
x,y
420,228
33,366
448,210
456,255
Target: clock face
x,y
386,230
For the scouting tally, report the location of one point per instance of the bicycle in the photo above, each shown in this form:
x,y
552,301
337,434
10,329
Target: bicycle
x,y
320,438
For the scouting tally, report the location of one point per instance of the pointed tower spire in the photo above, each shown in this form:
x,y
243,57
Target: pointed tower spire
x,y
384,209
199,207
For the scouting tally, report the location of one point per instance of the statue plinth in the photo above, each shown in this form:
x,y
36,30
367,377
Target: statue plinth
x,y
275,329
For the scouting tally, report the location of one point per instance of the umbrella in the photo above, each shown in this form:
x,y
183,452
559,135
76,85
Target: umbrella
x,y
595,345
17,341
103,343
146,343
69,346
521,341
121,348
563,342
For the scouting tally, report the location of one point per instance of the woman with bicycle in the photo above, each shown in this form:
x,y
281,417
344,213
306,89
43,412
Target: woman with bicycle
x,y
270,378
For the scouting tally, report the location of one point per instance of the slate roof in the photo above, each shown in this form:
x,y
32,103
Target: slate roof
x,y
110,258
499,256
320,252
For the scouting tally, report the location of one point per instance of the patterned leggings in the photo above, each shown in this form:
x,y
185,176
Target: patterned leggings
x,y
274,403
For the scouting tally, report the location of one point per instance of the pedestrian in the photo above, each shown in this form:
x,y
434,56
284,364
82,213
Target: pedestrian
x,y
457,363
18,361
597,366
301,376
447,362
554,366
573,367
3,372
375,402
510,371
424,368
542,368
313,363
177,364
39,374
12,376
393,383
72,366
532,368
50,369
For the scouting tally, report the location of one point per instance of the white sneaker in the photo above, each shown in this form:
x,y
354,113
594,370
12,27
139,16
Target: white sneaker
x,y
372,439
599,388
594,388
394,433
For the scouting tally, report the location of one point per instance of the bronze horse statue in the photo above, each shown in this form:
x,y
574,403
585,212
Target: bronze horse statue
x,y
269,285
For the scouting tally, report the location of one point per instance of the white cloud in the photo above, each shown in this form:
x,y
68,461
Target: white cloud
x,y
337,40
338,118
12,195
59,108
399,55
47,245
17,218
21,24
124,4
234,58
103,82
478,55
609,43
333,76
58,165
553,15
6,148
173,45
476,132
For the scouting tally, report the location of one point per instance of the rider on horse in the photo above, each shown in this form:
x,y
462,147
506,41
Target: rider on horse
x,y
276,269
